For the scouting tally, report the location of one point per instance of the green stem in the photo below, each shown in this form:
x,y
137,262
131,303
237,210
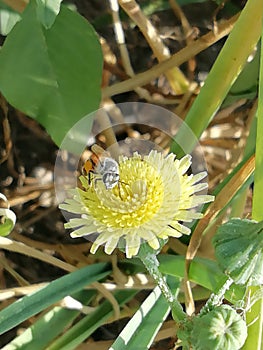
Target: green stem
x,y
254,317
216,298
226,69
151,263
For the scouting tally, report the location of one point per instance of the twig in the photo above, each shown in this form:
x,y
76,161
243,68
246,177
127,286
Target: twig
x,y
9,293
7,266
176,60
120,39
222,198
6,131
17,5
176,78
189,32
18,247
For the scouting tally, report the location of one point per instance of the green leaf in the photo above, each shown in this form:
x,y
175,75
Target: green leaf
x,y
30,305
140,331
246,85
248,78
52,75
204,272
239,250
47,10
84,328
48,327
254,316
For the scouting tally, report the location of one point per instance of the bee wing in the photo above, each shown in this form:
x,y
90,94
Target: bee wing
x,y
99,151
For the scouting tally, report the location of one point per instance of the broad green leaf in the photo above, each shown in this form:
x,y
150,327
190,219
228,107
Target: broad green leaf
x,y
84,328
141,330
204,272
239,250
52,75
47,10
30,305
48,327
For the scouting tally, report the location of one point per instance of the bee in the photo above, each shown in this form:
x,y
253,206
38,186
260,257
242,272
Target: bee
x,y
100,163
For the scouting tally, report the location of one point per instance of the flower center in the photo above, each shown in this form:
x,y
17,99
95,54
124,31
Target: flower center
x,y
134,201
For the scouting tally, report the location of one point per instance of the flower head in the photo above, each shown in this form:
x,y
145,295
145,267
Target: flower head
x,y
154,194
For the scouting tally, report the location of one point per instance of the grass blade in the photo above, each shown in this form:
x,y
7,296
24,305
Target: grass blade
x,y
48,327
139,333
30,305
84,328
254,317
226,69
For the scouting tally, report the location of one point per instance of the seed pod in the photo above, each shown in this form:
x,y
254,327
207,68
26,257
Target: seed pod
x,y
221,328
239,250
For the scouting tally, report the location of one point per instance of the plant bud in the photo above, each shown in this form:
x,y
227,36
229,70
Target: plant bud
x,y
221,328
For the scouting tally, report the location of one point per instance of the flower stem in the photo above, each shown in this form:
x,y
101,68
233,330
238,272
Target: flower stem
x,y
216,299
151,263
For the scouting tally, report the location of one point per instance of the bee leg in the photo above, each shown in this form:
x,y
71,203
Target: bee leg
x,y
96,179
89,176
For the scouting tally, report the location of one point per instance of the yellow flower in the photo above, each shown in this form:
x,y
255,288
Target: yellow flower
x,y
154,194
